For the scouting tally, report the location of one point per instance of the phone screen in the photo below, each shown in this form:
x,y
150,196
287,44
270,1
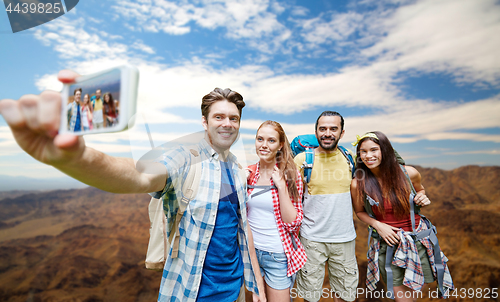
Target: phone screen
x,y
94,104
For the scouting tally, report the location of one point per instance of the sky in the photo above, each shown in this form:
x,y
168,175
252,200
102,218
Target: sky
x,y
426,73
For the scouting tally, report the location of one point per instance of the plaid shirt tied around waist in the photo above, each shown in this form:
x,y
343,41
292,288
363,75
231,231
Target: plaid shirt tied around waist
x,y
181,276
406,256
296,258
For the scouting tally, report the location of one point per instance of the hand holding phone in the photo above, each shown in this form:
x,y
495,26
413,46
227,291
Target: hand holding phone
x,y
35,121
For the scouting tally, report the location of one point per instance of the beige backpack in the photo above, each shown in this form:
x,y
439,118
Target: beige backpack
x,y
159,244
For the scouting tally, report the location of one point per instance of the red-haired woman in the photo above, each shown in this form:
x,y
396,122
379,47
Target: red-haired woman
x,y
384,187
275,211
86,112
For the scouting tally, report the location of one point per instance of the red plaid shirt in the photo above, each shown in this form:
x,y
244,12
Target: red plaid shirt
x,y
296,258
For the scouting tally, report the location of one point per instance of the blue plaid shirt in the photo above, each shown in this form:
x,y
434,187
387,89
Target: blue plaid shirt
x,y
182,275
75,109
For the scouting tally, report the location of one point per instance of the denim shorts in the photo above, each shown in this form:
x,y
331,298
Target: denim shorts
x,y
273,267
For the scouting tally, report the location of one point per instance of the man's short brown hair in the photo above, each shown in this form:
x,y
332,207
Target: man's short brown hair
x,y
219,94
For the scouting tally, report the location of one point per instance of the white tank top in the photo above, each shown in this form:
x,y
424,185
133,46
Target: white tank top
x,y
264,228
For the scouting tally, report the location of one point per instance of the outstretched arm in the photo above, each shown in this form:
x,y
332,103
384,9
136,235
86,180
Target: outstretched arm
x,y
34,122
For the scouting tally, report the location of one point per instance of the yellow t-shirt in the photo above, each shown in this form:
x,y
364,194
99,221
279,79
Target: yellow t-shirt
x,y
98,104
327,202
328,169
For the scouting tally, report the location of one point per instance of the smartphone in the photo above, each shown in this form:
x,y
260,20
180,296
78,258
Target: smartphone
x,y
102,102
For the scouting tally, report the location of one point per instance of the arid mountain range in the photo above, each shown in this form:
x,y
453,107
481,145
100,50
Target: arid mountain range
x,y
89,245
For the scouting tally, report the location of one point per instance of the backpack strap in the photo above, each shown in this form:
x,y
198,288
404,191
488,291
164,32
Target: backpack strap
x,y
253,170
431,232
350,160
189,190
264,189
369,202
388,271
308,163
413,208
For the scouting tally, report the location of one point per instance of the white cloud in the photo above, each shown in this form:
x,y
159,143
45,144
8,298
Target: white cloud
x,y
426,36
242,19
70,39
463,136
340,27
29,167
350,87
8,146
452,37
431,121
5,133
143,47
446,36
48,81
163,87
299,11
439,121
74,42
109,148
486,152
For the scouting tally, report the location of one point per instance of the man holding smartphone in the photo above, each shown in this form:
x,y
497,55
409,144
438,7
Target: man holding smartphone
x,y
75,118
214,257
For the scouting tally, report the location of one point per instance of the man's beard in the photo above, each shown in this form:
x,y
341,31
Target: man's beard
x,y
329,148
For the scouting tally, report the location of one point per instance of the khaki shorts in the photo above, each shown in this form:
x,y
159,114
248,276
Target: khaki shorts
x,y
342,271
241,297
398,273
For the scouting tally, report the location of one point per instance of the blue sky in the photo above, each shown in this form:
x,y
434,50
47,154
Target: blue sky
x,y
426,73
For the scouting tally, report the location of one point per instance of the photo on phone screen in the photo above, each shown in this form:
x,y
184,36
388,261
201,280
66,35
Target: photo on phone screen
x,y
100,103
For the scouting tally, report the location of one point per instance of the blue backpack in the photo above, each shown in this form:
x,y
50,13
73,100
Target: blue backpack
x,y
307,143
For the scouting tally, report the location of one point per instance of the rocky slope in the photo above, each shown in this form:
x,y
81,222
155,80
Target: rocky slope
x,y
89,245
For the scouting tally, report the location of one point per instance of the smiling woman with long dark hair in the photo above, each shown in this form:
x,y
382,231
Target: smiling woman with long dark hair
x,y
383,193
110,116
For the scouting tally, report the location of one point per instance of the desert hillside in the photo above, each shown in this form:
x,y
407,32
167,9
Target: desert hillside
x,y
75,245
89,245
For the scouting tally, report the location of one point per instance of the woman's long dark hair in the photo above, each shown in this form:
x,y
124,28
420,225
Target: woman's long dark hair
x,y
111,102
393,185
284,159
